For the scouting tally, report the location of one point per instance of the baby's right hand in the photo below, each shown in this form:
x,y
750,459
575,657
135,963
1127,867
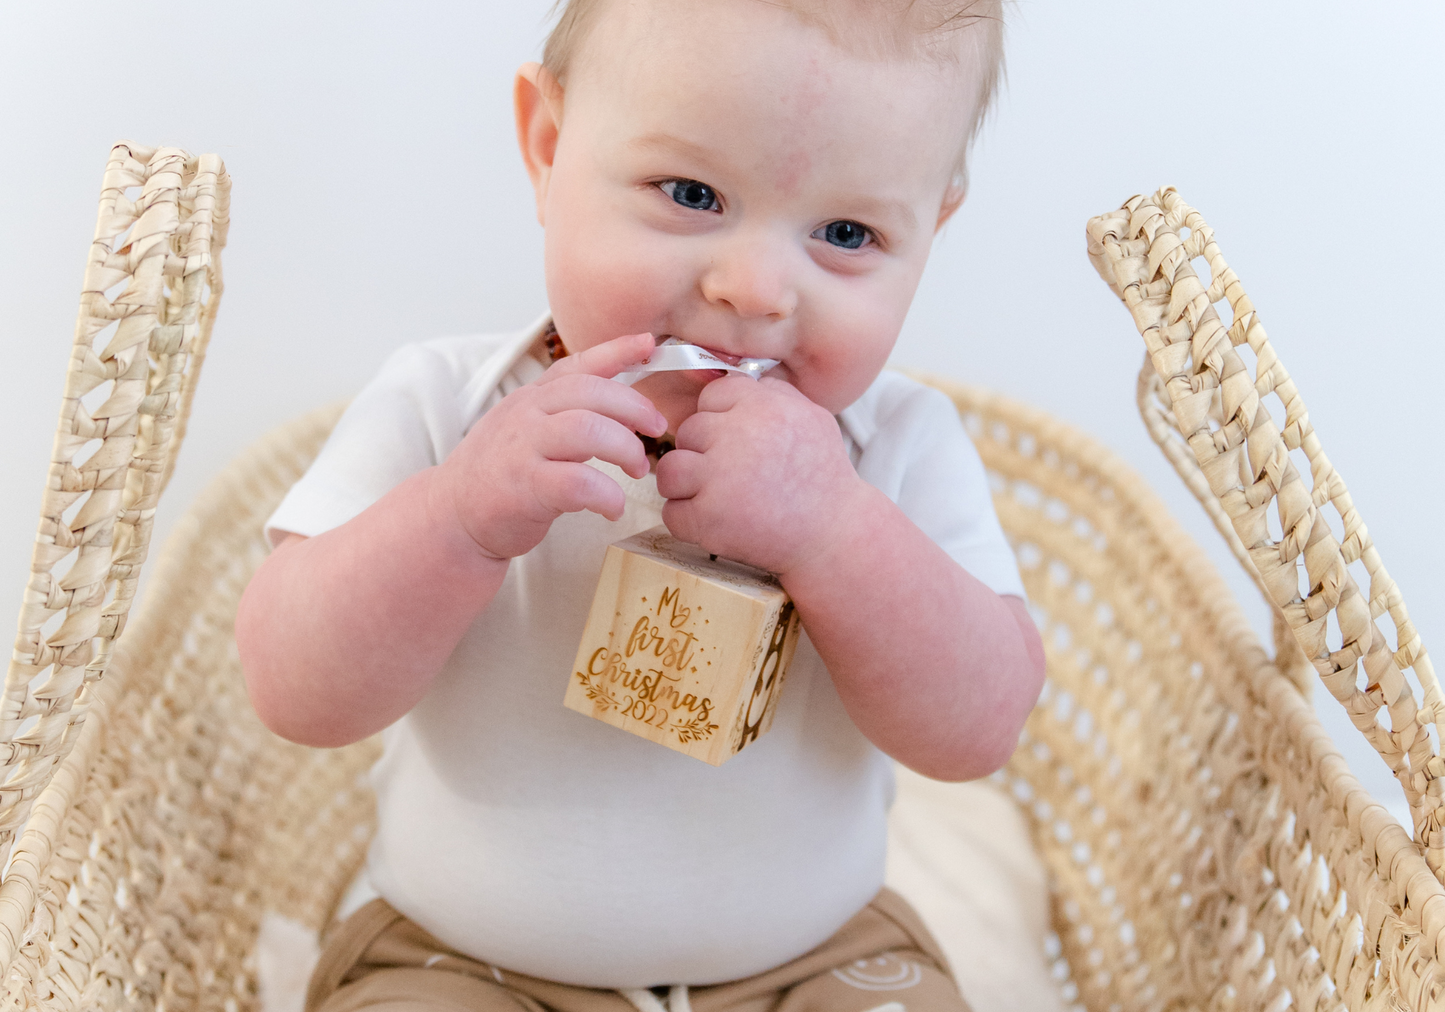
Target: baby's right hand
x,y
523,464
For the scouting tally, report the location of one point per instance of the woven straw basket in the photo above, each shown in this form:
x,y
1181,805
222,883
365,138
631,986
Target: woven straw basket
x,y
1207,846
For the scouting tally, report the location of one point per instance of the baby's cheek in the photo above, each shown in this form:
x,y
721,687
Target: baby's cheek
x,y
592,300
606,279
835,382
853,338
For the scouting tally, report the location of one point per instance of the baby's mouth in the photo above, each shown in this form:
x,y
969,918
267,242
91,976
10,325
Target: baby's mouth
x,y
675,356
721,355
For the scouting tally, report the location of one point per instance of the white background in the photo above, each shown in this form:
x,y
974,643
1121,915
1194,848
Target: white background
x,y
379,199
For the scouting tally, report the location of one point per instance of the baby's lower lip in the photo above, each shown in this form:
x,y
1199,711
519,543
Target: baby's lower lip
x,y
704,376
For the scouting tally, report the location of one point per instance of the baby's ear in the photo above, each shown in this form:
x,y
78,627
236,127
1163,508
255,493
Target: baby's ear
x,y
537,101
952,200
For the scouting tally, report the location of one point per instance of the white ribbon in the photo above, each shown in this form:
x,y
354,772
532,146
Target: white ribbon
x,y
675,355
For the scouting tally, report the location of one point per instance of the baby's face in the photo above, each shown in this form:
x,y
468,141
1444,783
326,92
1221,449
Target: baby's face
x,y
726,175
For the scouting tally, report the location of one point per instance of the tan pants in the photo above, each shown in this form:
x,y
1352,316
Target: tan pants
x,y
882,960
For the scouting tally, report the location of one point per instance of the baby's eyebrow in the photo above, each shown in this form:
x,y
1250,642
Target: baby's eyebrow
x,y
870,209
670,142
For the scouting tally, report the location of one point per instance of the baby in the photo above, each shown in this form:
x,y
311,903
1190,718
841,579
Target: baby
x,y
762,178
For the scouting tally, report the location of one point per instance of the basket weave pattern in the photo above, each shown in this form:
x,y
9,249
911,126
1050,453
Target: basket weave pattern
x,y
178,819
1208,845
1145,251
152,284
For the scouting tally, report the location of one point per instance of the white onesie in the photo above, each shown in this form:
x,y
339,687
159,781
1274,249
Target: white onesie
x,y
541,841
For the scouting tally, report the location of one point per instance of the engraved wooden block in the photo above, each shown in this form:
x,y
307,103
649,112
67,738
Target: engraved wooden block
x,y
682,649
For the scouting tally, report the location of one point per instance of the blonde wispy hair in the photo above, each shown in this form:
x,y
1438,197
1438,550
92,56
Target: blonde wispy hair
x,y
964,32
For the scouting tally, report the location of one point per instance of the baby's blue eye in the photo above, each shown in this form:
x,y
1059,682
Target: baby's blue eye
x,y
692,194
847,234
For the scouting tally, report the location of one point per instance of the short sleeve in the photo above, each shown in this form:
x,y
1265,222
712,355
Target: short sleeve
x,y
911,445
408,418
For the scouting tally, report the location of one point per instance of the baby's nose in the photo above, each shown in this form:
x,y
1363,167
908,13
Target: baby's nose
x,y
753,277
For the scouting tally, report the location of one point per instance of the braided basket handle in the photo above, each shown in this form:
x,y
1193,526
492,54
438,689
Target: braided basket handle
x,y
1199,384
1159,421
151,290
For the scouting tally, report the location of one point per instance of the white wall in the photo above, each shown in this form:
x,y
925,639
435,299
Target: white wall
x,y
378,199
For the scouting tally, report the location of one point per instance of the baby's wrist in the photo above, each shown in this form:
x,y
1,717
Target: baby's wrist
x,y
444,519
852,510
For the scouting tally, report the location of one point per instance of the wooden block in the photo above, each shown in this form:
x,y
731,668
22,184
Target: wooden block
x,y
682,649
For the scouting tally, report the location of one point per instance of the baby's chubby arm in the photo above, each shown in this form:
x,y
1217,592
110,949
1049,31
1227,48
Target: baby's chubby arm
x,y
341,634
933,667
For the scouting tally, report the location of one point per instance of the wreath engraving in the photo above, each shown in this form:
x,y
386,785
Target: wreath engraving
x,y
597,688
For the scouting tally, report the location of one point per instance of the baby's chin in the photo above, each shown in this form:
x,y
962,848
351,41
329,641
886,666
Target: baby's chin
x,y
675,393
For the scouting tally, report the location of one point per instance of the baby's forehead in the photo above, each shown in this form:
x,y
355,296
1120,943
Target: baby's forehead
x,y
794,54
958,34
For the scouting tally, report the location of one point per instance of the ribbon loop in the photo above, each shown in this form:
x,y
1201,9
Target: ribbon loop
x,y
674,355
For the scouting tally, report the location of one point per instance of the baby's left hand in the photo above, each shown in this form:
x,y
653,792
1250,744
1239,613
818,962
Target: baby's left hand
x,y
760,475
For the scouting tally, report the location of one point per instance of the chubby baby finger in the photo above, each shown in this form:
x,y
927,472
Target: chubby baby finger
x,y
681,517
594,393
699,431
680,474
579,435
723,393
568,487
